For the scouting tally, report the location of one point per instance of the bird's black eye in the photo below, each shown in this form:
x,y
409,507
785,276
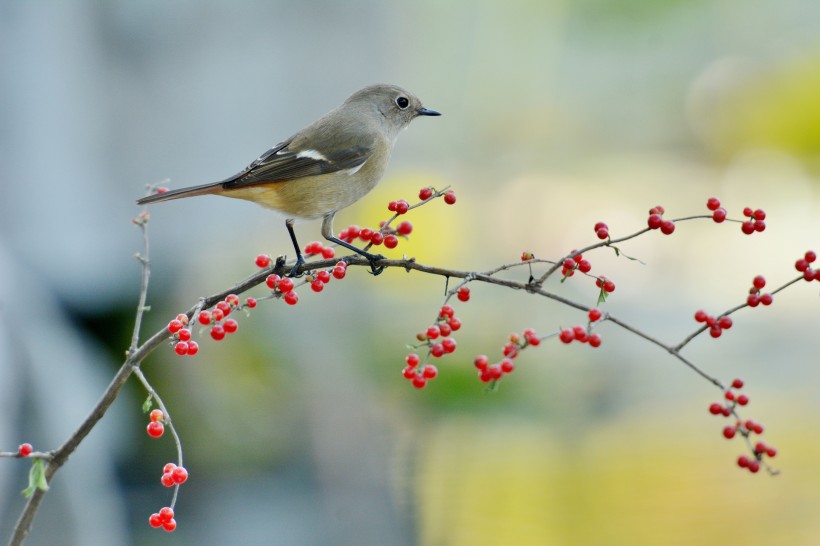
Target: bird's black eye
x,y
402,102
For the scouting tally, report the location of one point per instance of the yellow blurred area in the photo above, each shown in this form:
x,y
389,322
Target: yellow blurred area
x,y
641,481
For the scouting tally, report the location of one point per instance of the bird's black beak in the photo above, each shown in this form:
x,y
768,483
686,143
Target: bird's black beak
x,y
427,112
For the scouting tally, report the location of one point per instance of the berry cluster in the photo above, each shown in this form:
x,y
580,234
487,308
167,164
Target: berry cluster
x,y
601,230
755,298
755,221
438,341
716,325
582,334
488,372
718,213
578,262
173,475
316,248
606,287
734,398
183,345
156,426
164,518
803,265
656,221
217,317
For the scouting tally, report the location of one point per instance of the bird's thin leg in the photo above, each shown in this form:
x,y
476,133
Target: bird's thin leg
x,y
299,259
327,233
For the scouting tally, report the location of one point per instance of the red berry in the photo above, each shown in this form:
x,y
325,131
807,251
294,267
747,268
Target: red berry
x,y
495,371
446,311
170,525
24,450
154,520
715,332
481,362
405,228
507,365
445,329
567,335
667,227
377,238
168,468
654,221
328,253
602,233
181,348
810,256
155,429
317,285
291,298
408,372
534,340
230,325
584,266
754,466
737,383
715,408
204,317
454,323
759,281
323,276
218,332
167,479
271,281
594,340
366,234
700,315
391,206
225,307
725,322
747,211
429,371
609,286
180,475
156,415
419,381
339,272
175,326
600,225
425,193
729,432
747,227
759,214
712,203
263,260
450,197
437,350
412,360
771,451
391,241
766,299
595,315
463,294
193,348
743,461
759,225
719,215
166,514
800,265
742,399
580,333
753,300
285,285
402,207
449,344
433,332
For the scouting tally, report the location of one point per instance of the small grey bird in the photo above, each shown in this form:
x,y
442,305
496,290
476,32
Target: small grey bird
x,y
325,167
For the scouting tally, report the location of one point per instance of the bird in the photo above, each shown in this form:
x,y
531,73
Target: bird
x,y
323,168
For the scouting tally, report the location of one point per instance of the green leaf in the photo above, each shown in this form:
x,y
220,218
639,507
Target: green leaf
x,y
36,478
146,406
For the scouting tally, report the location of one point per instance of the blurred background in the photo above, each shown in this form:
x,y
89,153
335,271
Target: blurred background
x,y
299,429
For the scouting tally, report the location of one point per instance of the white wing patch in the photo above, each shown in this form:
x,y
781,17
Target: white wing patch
x,y
353,170
312,154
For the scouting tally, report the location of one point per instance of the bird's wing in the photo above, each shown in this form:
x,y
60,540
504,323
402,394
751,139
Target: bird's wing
x,y
282,163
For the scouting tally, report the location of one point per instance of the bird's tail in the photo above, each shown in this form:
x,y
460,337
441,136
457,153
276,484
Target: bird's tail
x,y
191,191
